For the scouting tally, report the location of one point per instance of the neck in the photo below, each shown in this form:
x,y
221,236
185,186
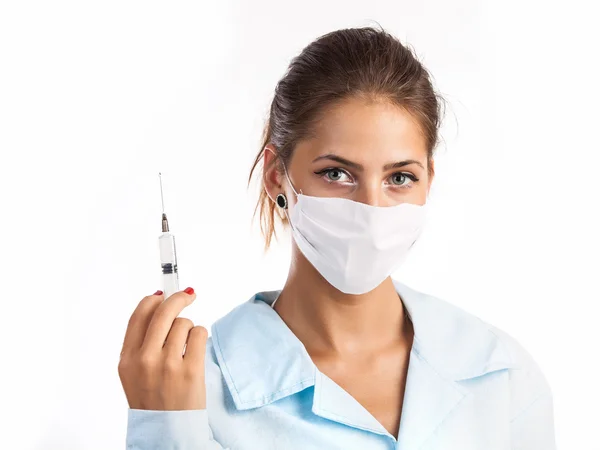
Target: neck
x,y
329,322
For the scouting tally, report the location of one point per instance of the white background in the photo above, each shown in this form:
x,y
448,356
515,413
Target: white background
x,y
97,97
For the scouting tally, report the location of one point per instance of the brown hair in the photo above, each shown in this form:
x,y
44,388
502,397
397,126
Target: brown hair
x,y
365,62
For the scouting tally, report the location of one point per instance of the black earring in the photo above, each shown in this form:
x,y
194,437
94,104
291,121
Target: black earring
x,y
281,201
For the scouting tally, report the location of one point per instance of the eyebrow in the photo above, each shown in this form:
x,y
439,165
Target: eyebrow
x,y
357,166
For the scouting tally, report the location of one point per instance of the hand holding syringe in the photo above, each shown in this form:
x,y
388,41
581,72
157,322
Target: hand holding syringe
x,y
162,361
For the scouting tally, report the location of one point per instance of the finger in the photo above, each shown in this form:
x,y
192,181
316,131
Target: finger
x,y
177,337
139,321
163,318
196,346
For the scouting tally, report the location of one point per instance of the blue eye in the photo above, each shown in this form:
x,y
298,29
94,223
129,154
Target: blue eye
x,y
399,178
333,175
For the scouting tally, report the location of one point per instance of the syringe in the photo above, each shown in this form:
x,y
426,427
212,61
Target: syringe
x,y
168,255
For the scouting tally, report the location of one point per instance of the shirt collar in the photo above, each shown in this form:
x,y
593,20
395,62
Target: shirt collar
x,y
263,361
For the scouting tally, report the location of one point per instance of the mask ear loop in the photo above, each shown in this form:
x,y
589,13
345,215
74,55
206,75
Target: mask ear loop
x,y
290,181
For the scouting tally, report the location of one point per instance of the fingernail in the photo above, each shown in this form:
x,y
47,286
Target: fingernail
x,y
158,293
189,290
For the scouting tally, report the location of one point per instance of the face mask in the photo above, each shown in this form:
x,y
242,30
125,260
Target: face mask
x,y
354,246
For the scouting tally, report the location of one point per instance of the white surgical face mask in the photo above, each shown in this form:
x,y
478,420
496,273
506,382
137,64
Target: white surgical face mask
x,y
354,246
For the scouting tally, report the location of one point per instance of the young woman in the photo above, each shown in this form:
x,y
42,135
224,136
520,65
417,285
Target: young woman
x,y
343,356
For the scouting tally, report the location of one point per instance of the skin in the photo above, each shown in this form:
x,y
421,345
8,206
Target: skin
x,y
362,342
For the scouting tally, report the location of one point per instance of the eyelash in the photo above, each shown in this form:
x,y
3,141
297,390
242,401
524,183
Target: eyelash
x,y
332,169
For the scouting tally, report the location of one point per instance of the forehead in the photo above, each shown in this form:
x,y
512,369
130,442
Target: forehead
x,y
361,130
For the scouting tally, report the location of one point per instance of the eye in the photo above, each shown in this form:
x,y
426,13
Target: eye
x,y
333,175
399,178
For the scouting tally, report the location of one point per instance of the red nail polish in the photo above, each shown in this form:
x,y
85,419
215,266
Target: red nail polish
x,y
158,293
189,290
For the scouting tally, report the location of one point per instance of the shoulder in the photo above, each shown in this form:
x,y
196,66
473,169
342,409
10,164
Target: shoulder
x,y
525,386
528,383
462,346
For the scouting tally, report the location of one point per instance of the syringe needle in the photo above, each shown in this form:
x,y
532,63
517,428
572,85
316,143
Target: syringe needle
x,y
161,193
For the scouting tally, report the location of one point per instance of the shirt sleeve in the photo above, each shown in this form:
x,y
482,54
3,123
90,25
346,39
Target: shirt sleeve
x,y
170,430
533,427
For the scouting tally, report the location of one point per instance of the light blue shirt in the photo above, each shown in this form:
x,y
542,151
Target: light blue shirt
x,y
469,386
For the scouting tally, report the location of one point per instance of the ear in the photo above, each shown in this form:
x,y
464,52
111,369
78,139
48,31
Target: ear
x,y
271,176
429,181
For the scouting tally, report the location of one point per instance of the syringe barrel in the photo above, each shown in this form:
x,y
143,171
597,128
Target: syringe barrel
x,y
168,262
